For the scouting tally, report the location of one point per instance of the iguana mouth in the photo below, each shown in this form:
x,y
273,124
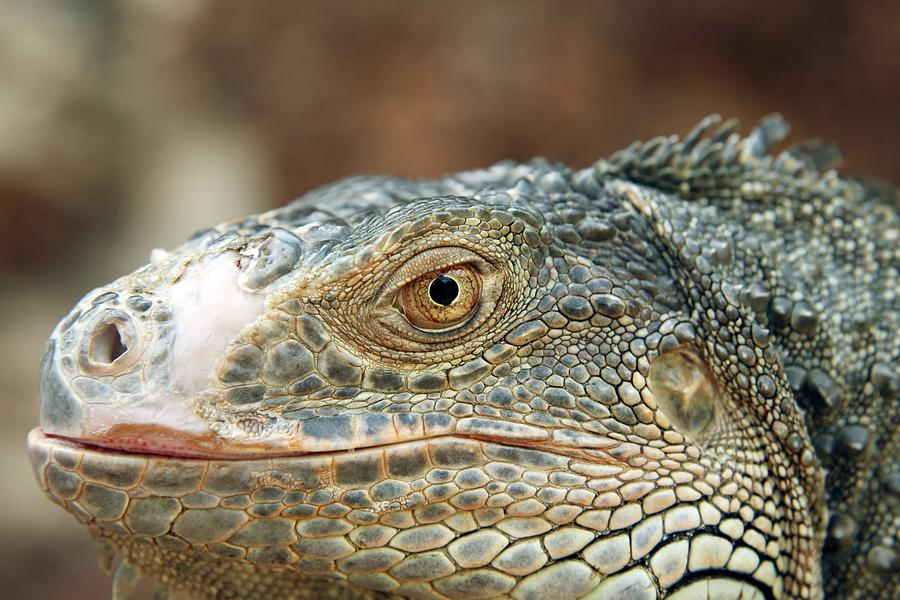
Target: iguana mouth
x,y
149,440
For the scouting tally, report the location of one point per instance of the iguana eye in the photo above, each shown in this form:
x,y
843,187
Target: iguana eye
x,y
441,300
436,298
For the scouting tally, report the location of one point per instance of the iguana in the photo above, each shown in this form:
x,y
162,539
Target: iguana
x,y
671,374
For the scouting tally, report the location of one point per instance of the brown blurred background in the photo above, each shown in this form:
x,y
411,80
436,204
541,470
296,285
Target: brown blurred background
x,y
126,125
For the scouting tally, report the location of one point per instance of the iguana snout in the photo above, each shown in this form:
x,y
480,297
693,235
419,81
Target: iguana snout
x,y
128,366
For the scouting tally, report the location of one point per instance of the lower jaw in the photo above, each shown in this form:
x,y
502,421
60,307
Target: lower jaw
x,y
58,462
295,518
266,527
158,497
203,577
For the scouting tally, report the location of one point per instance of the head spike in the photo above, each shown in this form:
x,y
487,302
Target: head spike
x,y
770,130
125,581
699,131
106,554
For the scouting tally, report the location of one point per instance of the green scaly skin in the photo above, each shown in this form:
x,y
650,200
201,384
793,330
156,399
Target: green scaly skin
x,y
678,379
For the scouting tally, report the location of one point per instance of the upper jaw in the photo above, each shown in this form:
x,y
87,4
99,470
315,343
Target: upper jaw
x,y
168,421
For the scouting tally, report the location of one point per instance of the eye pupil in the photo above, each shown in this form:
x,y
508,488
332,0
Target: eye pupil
x,y
443,290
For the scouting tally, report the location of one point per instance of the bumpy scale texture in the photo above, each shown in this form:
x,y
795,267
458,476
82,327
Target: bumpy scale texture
x,y
673,374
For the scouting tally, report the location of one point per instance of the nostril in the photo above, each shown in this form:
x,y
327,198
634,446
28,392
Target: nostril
x,y
107,345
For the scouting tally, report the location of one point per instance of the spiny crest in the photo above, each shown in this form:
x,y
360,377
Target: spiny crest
x,y
713,161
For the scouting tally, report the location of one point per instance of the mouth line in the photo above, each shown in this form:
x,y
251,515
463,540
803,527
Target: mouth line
x,y
38,437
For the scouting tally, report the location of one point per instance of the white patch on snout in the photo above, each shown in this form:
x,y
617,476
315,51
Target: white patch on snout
x,y
209,309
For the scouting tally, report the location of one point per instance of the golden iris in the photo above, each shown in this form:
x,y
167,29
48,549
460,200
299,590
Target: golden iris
x,y
441,300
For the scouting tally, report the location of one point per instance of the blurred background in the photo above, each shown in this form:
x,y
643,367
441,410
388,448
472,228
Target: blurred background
x,y
125,125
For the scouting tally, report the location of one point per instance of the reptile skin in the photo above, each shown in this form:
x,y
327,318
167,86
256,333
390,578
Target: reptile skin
x,y
670,375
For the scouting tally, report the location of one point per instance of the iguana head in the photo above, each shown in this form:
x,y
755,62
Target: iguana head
x,y
506,381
